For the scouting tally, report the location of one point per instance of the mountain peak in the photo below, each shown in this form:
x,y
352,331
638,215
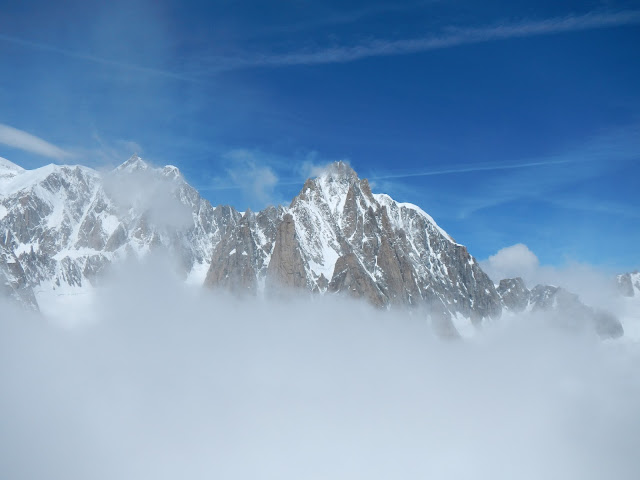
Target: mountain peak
x,y
9,169
134,164
339,170
171,171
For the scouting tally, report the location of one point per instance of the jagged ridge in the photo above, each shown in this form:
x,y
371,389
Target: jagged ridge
x,y
63,226
562,306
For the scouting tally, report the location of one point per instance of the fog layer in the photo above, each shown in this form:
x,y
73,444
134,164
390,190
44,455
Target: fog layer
x,y
167,382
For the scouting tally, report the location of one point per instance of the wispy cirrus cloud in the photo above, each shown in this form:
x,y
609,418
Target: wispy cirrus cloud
x,y
22,140
448,38
343,17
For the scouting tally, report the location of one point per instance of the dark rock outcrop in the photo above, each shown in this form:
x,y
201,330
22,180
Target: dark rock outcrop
x,y
514,294
628,284
13,281
287,266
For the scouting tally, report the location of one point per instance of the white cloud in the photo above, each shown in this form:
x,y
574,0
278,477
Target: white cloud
x,y
254,177
151,193
30,143
312,166
172,383
514,261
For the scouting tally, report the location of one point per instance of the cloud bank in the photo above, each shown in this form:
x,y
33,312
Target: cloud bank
x,y
170,383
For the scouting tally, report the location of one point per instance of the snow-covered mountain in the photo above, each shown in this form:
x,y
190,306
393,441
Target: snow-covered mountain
x,y
336,236
63,226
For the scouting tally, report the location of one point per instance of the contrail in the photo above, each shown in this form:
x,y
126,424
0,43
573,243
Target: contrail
x,y
468,168
238,187
91,58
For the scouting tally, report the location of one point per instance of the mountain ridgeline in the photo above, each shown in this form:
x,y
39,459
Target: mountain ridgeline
x,y
62,227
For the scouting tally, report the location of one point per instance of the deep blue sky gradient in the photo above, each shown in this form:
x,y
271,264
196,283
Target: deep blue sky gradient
x,y
531,138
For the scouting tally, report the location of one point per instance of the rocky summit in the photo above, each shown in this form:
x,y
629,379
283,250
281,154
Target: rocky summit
x,y
63,226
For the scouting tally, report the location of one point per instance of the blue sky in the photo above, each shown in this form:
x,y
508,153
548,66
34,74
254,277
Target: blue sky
x,y
509,122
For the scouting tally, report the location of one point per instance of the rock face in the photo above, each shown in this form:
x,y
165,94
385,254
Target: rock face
x,y
367,245
286,267
561,306
242,255
514,294
628,284
13,285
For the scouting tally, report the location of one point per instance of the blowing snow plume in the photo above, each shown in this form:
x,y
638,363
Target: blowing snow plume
x,y
170,382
